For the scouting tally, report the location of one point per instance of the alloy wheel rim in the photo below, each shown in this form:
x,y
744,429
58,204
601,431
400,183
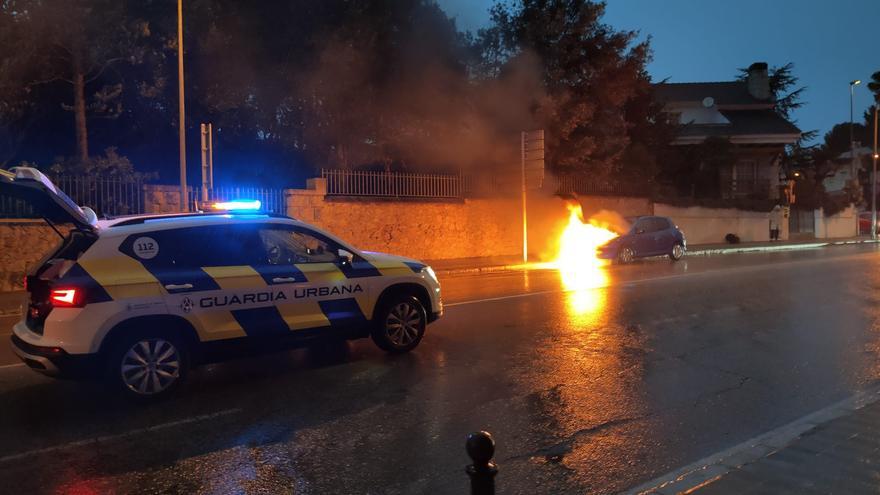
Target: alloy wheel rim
x,y
150,366
403,324
676,251
627,255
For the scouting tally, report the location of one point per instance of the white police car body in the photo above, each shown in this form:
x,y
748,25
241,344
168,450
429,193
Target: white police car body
x,y
140,299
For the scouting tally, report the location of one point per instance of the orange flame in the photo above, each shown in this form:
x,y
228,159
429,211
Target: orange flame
x,y
578,265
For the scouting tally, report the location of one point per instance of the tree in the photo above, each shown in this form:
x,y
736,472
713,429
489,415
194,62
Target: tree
x,y
787,95
76,43
874,86
589,72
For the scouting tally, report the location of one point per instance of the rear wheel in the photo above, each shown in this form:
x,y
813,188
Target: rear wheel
x,y
399,324
147,365
677,252
626,255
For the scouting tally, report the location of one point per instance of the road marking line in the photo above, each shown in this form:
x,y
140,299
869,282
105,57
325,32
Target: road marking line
x,y
715,466
720,271
16,365
120,436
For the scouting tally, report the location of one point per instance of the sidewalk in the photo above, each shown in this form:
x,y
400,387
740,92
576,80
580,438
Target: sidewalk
x,y
10,303
499,263
835,450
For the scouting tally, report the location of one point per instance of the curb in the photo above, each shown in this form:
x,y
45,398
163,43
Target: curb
x,y
690,478
697,252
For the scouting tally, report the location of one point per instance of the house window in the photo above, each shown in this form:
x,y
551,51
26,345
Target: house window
x,y
744,177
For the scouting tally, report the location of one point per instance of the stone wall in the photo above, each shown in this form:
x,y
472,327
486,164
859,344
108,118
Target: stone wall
x,y
430,229
160,198
24,243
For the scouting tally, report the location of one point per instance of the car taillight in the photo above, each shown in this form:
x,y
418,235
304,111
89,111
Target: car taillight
x,y
66,298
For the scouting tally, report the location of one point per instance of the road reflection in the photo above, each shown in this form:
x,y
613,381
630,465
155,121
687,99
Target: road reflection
x,y
585,299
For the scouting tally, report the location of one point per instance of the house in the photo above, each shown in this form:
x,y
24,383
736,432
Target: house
x,y
742,112
845,170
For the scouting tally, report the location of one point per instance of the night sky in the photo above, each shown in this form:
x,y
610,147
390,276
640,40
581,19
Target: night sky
x,y
830,43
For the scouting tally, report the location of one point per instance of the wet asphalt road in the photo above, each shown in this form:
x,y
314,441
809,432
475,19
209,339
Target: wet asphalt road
x,y
594,390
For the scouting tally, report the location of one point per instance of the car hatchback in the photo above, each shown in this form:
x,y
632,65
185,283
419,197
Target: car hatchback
x,y
649,236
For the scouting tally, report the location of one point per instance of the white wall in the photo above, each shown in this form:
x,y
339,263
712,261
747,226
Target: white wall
x,y
843,224
710,225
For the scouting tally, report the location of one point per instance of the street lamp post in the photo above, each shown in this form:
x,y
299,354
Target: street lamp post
x,y
874,157
852,141
184,200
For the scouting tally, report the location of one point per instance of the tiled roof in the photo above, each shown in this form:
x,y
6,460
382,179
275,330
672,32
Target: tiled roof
x,y
744,123
724,93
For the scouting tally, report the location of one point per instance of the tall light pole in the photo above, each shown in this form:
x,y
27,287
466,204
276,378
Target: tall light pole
x,y
184,201
874,157
852,142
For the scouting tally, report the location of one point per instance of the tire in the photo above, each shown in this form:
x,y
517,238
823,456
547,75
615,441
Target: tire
x,y
677,252
147,365
625,255
399,324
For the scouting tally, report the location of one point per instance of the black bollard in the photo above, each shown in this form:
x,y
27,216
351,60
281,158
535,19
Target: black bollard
x,y
480,448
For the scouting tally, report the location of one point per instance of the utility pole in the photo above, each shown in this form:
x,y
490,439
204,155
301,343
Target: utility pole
x,y
184,200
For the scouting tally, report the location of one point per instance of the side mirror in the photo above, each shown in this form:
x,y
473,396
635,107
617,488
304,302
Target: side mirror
x,y
345,257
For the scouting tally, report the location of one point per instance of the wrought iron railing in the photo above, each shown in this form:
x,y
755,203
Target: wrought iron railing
x,y
107,196
586,184
392,184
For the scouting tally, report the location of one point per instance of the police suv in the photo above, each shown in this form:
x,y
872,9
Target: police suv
x,y
140,299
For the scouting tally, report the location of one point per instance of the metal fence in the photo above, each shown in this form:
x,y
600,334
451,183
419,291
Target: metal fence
x,y
107,196
271,199
585,184
392,184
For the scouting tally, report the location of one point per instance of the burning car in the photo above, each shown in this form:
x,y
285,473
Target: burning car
x,y
649,236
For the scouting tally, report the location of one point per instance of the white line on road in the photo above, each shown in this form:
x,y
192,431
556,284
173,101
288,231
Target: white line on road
x,y
720,271
16,365
120,436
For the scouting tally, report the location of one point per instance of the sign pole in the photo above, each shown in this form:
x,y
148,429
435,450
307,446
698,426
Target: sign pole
x,y
210,156
204,145
525,233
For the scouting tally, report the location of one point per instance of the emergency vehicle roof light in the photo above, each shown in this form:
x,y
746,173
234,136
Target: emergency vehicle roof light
x,y
238,205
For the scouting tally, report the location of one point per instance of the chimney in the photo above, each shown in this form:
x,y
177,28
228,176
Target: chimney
x,y
759,81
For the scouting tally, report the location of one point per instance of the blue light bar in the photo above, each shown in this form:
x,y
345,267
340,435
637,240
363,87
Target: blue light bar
x,y
240,204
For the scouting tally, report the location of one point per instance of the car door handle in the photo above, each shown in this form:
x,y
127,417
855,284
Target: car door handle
x,y
178,286
283,280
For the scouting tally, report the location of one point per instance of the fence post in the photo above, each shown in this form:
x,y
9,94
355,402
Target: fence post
x,y
480,448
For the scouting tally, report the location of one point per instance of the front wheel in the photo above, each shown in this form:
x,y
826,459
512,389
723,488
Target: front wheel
x,y
677,252
626,255
147,366
399,324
